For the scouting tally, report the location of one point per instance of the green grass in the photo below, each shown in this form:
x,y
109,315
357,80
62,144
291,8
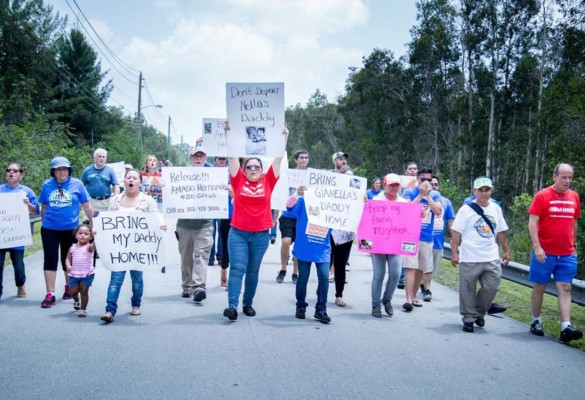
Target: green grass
x,y
517,298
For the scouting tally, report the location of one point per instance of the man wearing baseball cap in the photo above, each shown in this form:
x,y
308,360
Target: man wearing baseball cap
x,y
339,160
195,240
482,227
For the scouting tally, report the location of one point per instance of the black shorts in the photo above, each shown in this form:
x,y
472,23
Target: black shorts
x,y
288,227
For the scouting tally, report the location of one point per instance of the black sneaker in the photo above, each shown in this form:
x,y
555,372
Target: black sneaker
x,y
280,276
400,285
199,295
249,311
428,296
272,240
300,314
407,307
322,317
422,289
480,321
377,312
496,309
186,293
294,278
468,327
536,328
570,333
231,313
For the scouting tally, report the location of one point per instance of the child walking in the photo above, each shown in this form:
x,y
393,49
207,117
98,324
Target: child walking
x,y
80,267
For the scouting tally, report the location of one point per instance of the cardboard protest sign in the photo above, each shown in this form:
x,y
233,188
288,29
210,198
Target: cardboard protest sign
x,y
255,112
334,200
407,181
120,170
129,240
214,137
195,192
279,194
14,221
390,227
296,178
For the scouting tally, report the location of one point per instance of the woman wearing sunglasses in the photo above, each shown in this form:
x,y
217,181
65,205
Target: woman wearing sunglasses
x,y
61,196
13,185
251,221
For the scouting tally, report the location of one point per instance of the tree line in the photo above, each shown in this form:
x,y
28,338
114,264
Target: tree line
x,y
485,87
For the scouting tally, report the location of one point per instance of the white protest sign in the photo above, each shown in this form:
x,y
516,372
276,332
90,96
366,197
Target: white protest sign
x,y
255,112
195,192
214,138
171,254
296,178
334,200
120,170
279,194
14,221
407,181
129,240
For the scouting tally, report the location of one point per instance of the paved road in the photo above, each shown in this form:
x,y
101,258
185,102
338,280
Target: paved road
x,y
179,350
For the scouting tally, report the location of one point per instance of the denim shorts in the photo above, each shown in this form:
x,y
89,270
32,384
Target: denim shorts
x,y
562,268
87,281
288,227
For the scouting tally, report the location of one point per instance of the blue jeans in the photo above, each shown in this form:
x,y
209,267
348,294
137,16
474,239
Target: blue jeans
x,y
116,281
216,249
17,257
379,262
246,251
322,287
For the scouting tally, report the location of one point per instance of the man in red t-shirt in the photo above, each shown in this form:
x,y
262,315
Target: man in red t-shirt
x,y
552,224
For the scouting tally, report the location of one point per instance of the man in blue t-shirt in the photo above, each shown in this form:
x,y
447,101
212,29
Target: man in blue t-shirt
x,y
421,263
100,179
445,220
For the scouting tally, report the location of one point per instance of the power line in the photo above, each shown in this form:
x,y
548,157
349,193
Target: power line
x,y
96,44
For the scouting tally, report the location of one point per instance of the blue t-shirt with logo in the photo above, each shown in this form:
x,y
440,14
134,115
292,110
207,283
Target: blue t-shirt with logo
x,y
99,181
314,245
62,203
440,224
426,231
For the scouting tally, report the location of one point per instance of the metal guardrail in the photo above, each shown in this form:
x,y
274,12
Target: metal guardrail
x,y
518,273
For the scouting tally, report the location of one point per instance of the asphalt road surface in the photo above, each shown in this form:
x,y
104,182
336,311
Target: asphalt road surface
x,y
178,349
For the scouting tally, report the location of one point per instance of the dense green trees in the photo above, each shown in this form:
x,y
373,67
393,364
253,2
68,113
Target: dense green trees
x,y
53,95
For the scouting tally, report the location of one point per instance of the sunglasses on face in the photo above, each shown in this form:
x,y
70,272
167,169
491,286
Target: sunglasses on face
x,y
425,179
253,167
13,170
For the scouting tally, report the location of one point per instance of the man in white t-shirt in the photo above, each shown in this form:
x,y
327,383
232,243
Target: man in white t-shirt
x,y
479,224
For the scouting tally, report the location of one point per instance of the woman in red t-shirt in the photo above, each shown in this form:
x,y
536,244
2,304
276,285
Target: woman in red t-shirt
x,y
251,221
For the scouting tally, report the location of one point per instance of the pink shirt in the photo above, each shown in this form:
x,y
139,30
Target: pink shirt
x,y
81,261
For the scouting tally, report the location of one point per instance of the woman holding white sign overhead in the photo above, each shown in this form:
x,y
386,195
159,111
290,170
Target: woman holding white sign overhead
x,y
131,199
251,221
13,185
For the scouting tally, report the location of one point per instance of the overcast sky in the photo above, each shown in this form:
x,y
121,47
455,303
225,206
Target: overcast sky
x,y
187,50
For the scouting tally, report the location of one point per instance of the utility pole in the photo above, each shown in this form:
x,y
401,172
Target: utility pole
x,y
138,117
169,140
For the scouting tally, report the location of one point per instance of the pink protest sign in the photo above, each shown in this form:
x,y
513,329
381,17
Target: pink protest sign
x,y
390,227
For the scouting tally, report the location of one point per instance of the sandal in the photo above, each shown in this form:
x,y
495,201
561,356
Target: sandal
x,y
135,311
417,303
21,292
82,314
76,305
